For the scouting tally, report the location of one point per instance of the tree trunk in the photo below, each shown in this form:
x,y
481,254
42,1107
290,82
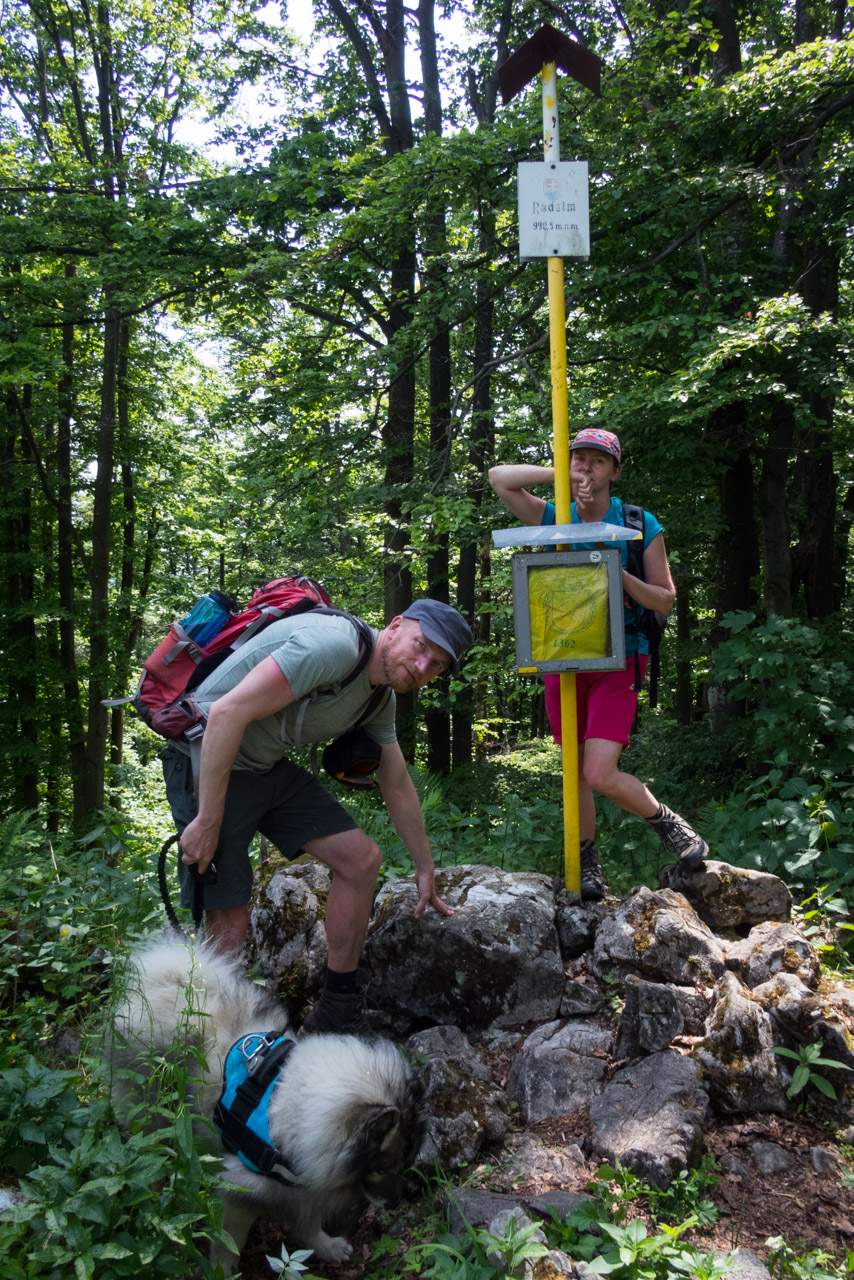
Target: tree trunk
x,y
774,508
21,633
99,639
684,689
474,557
437,718
126,625
65,572
726,59
813,558
735,545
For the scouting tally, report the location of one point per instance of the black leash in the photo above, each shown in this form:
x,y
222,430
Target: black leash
x,y
199,882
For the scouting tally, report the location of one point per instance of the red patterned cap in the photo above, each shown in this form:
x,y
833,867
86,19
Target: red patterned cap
x,y
594,438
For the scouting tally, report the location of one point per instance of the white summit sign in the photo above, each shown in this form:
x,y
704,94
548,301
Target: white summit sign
x,y
554,218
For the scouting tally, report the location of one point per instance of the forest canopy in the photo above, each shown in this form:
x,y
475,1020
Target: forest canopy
x,y
301,343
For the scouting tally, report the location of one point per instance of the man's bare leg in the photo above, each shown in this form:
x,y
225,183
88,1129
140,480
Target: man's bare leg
x,y
226,929
355,862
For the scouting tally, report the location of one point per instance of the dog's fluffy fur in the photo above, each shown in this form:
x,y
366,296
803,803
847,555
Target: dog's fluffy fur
x,y
346,1113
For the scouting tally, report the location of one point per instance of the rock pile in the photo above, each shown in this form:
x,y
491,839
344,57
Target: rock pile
x,y
656,1014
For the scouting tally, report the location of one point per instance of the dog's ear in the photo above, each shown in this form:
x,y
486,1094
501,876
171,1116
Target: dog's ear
x,y
378,1124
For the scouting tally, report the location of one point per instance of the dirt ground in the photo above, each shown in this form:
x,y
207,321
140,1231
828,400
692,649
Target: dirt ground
x,y
809,1210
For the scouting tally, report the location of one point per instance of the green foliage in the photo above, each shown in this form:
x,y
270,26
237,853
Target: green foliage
x,y
785,1260
506,813
808,1057
823,919
631,1253
794,818
99,1202
40,1108
291,1266
687,1195
65,909
480,1254
614,1188
106,1205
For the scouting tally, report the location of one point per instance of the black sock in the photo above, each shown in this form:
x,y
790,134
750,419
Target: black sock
x,y
656,817
341,982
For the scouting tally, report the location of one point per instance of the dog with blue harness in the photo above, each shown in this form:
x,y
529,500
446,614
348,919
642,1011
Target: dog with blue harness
x,y
310,1128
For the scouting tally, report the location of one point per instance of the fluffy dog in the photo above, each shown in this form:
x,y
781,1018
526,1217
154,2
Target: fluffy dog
x,y
345,1114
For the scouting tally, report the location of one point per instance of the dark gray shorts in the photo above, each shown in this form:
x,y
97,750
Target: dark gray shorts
x,y
287,805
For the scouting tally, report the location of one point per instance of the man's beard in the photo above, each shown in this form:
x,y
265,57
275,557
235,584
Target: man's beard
x,y
400,684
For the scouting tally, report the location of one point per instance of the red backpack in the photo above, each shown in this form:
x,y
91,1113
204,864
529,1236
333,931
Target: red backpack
x,y
180,662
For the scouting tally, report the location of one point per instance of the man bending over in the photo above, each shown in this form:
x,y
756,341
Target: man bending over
x,y
285,686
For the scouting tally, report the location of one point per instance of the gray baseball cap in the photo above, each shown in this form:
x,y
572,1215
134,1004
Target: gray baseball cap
x,y
444,626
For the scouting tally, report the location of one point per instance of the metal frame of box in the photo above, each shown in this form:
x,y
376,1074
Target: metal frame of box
x,y
616,639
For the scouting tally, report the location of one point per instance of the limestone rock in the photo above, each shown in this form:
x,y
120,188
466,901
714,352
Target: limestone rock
x,y
287,929
580,999
772,948
467,1204
793,1007
740,1070
650,1117
727,896
658,935
465,1109
558,1068
744,1265
651,1018
694,1005
576,923
770,1157
541,1160
496,961
823,1160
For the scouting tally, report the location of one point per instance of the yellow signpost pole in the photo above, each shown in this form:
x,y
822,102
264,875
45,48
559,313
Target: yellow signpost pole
x,y
563,498
548,49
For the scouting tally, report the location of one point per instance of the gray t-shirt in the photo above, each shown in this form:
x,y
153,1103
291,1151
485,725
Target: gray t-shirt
x,y
315,654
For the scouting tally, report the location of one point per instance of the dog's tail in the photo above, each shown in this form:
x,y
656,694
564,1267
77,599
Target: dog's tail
x,y
183,992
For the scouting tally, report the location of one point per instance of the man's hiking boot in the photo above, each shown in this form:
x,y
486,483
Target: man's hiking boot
x,y
339,1012
680,839
592,880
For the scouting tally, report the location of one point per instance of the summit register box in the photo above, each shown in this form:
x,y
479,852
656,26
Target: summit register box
x,y
568,608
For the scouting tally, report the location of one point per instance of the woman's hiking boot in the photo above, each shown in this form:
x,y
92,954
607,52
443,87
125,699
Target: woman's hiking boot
x,y
592,879
679,838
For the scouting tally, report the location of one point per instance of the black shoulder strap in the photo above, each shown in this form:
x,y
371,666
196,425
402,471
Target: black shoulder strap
x,y
378,699
633,518
366,639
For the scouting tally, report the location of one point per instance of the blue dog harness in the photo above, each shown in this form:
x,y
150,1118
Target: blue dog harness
x,y
241,1118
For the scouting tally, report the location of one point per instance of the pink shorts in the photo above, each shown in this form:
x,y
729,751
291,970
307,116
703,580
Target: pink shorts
x,y
605,701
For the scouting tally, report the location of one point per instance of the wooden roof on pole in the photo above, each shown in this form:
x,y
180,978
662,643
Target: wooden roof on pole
x,y
548,45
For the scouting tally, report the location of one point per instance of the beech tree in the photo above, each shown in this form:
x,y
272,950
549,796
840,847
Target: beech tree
x,y
367,341
96,239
